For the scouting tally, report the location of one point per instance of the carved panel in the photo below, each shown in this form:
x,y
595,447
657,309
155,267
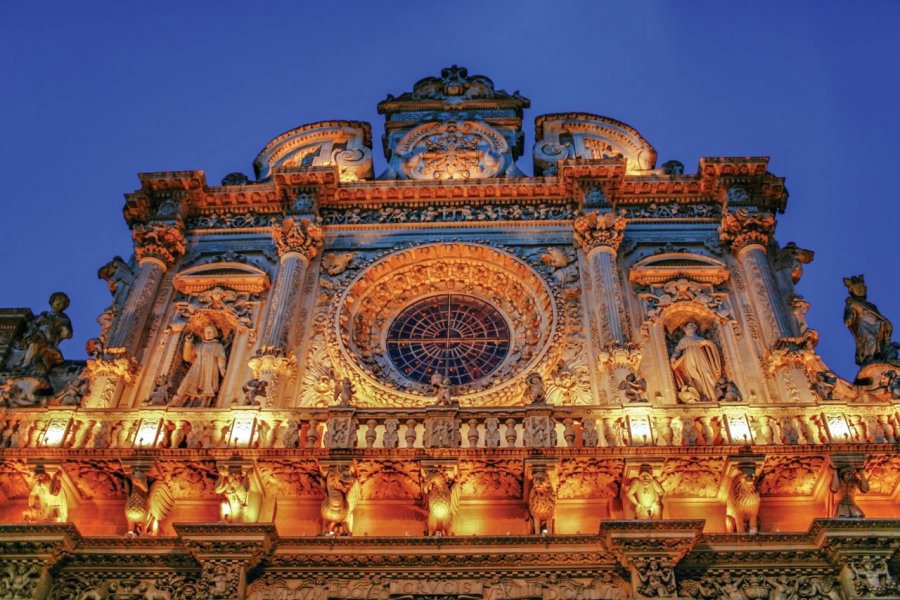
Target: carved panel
x,y
491,479
790,475
291,479
388,480
590,478
694,477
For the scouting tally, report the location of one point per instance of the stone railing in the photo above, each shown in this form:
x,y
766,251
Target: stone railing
x,y
541,426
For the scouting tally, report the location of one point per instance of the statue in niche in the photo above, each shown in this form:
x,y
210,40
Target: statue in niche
x,y
742,503
201,383
646,494
696,363
870,328
44,334
46,500
441,498
846,482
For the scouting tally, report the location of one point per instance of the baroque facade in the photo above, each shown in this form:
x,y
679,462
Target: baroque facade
x,y
451,380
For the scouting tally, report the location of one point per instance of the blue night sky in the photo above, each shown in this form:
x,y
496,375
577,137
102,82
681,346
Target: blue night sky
x,y
94,92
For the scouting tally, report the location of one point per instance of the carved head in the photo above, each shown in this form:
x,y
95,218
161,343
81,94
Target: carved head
x,y
210,333
856,285
59,302
690,328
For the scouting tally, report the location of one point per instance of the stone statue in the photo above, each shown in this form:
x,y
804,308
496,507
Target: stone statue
x,y
160,394
441,500
870,328
742,504
147,504
542,503
118,277
846,482
201,383
727,391
646,494
696,363
43,335
346,392
535,392
74,392
635,388
252,389
791,258
654,580
239,504
46,500
441,385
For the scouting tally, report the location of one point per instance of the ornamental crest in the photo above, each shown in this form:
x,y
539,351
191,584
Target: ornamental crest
x,y
452,150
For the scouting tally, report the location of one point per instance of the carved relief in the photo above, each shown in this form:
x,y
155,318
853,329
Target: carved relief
x,y
790,475
693,477
590,478
293,479
490,479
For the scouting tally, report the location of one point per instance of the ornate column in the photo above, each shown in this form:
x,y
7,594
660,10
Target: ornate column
x,y
298,242
157,247
747,235
599,236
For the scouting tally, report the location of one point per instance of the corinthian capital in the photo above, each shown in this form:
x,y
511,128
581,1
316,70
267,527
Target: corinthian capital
x,y
158,240
594,230
300,236
742,228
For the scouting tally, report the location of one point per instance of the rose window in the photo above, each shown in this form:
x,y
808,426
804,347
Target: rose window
x,y
455,335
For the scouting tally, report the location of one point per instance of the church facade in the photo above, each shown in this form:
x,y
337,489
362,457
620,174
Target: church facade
x,y
450,380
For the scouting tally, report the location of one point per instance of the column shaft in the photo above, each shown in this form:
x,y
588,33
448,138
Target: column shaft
x,y
137,307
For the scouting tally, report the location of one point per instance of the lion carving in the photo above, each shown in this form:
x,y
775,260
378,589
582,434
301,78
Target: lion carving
x,y
742,505
441,500
542,503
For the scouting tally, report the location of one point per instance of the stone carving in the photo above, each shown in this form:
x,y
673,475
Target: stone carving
x,y
727,391
870,577
846,482
489,479
673,210
791,258
655,579
742,502
20,579
342,493
253,390
240,503
634,388
441,497
74,391
539,431
593,230
542,503
442,431
456,213
147,504
118,277
227,220
752,584
47,501
696,364
870,328
163,242
299,236
646,494
789,475
692,477
535,392
160,394
43,335
742,228
200,385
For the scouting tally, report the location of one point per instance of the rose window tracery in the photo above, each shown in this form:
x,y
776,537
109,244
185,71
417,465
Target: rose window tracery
x,y
455,335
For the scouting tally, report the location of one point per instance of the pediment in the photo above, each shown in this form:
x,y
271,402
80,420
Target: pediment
x,y
236,276
670,265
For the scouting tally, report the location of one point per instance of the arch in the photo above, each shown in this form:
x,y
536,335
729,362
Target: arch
x,y
660,268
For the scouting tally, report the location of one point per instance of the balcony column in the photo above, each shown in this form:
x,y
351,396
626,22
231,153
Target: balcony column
x,y
298,242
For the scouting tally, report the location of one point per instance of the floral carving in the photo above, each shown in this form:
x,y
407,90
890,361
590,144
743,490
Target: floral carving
x,y
490,479
590,478
692,477
790,475
742,228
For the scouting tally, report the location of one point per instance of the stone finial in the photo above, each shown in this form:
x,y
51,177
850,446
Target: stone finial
x,y
163,242
593,230
298,236
742,228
